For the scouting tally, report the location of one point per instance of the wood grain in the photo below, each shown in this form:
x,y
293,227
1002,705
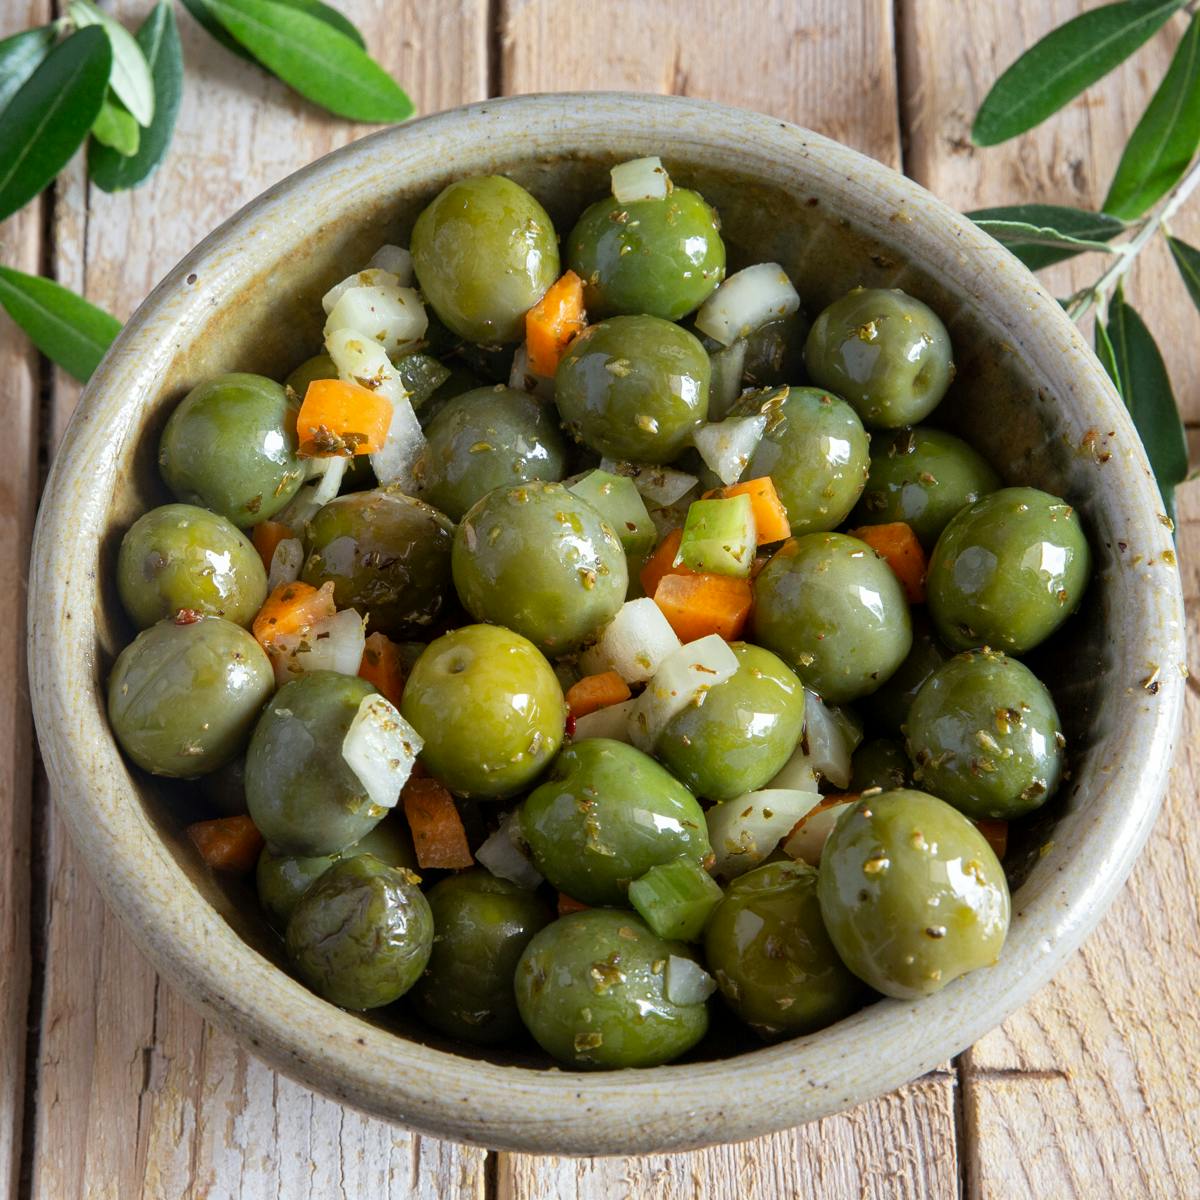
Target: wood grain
x,y
136,1095
1083,1092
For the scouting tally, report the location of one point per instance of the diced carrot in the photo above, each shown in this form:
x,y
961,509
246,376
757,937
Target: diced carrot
x,y
292,608
896,543
662,562
266,538
596,691
342,418
227,844
770,517
568,904
382,666
699,604
995,833
552,322
437,830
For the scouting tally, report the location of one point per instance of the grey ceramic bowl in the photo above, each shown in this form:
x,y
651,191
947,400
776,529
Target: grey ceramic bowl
x,y
1029,393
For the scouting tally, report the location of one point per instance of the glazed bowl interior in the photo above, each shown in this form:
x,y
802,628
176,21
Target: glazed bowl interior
x,y
1028,394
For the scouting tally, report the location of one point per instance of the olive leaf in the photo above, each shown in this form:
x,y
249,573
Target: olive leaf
x,y
1146,388
20,56
1064,232
209,23
64,327
1070,58
130,72
1187,259
50,116
1165,139
159,40
114,126
318,61
1108,356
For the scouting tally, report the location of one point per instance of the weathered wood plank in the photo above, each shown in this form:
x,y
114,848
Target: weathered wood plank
x,y
137,1096
790,60
1085,1091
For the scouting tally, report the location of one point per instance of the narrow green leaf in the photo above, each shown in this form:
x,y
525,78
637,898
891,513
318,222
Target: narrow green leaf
x,y
1067,60
63,326
1074,223
319,62
130,71
159,40
1148,396
49,117
330,16
1108,356
1162,145
1187,259
209,23
20,56
1021,233
115,126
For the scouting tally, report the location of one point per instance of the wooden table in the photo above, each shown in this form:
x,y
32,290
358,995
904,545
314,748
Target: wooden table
x,y
110,1086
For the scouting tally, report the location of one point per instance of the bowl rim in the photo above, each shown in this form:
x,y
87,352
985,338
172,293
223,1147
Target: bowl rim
x,y
549,1110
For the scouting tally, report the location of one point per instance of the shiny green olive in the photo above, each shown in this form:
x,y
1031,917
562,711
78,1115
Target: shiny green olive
x,y
459,381
485,439
922,477
388,556
482,925
361,935
1008,571
741,732
911,894
591,988
634,388
320,366
767,947
829,606
230,445
885,351
660,257
484,252
303,797
182,557
887,708
605,816
880,763
489,707
775,353
814,449
282,879
184,695
542,561
985,736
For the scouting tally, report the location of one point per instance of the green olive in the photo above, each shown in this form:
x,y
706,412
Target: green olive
x,y
887,707
320,366
775,352
880,763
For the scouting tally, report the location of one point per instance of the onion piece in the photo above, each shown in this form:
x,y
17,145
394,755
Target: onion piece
x,y
285,563
683,678
391,316
808,838
396,460
686,981
504,855
371,277
660,486
301,508
728,446
728,368
380,747
611,722
394,259
747,299
329,476
640,179
827,740
744,831
335,643
635,643
797,774
524,380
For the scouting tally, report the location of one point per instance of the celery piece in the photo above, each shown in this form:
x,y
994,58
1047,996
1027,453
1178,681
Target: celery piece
x,y
618,501
675,899
719,536
421,375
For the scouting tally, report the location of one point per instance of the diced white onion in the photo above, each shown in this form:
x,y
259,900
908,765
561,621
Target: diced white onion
x,y
334,643
684,677
396,461
390,316
728,446
660,486
640,179
505,857
371,277
744,831
301,508
797,773
380,747
329,477
635,643
612,721
524,380
394,259
829,748
686,981
808,839
728,368
746,300
285,563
